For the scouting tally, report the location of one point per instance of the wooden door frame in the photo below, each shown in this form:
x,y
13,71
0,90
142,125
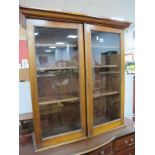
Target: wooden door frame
x,y
92,131
69,136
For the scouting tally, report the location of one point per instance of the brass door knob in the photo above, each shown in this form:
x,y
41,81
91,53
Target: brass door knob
x,y
102,152
131,139
126,141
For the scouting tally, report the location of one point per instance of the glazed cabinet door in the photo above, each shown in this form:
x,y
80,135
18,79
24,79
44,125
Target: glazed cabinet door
x,y
57,81
105,78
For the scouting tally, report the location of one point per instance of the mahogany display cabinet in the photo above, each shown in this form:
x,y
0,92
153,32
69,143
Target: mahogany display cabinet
x,y
76,65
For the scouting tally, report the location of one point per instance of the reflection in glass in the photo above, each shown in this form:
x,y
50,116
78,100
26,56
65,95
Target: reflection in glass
x,y
106,76
58,85
59,118
106,109
58,80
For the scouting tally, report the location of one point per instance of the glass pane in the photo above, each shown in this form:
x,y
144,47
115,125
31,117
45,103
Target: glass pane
x,y
59,118
106,109
58,80
106,76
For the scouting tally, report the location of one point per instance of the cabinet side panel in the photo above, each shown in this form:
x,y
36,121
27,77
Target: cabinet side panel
x,y
32,72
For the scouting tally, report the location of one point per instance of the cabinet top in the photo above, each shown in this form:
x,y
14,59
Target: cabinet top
x,y
71,17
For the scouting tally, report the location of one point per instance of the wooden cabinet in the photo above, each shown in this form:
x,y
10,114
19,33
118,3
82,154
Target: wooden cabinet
x,y
105,150
76,74
129,151
124,145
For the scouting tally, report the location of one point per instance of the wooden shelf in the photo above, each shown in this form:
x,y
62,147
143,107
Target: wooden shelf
x,y
25,116
60,101
54,45
106,66
100,120
111,72
46,75
106,94
100,46
56,68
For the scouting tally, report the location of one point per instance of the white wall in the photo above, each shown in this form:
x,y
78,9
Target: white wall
x,y
129,48
101,8
129,39
128,96
25,104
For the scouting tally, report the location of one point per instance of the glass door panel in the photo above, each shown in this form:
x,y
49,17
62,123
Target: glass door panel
x,y
106,75
57,66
